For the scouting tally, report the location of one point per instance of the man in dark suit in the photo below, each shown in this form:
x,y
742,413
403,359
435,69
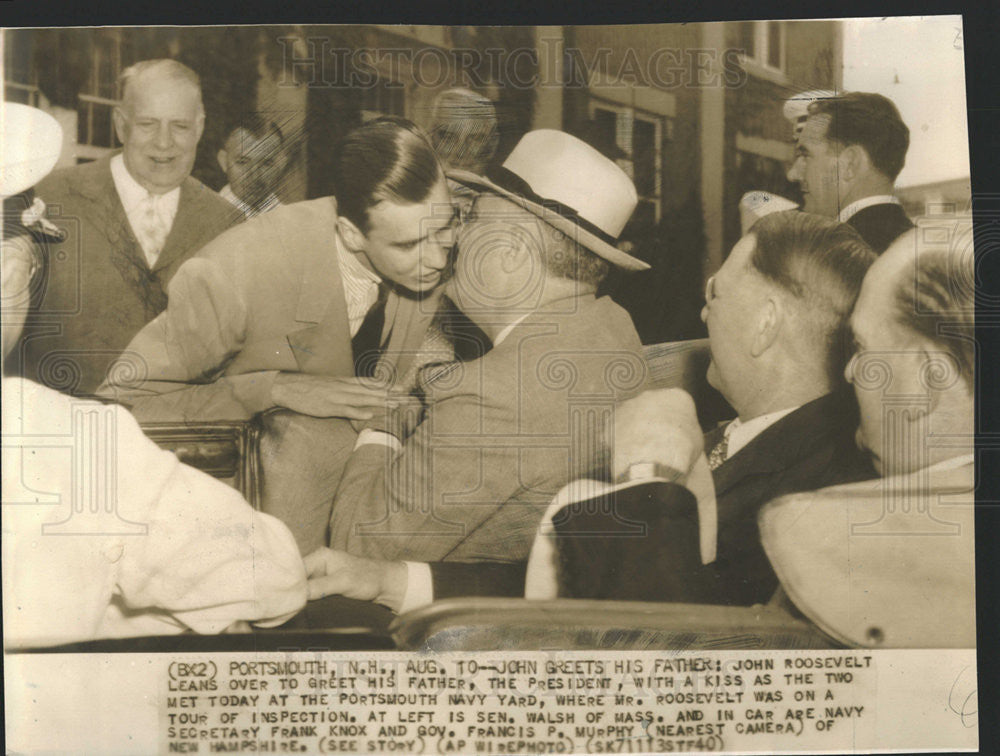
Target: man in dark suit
x,y
849,151
776,313
131,220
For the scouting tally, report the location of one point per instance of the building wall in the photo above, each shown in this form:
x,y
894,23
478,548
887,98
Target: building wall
x,y
758,138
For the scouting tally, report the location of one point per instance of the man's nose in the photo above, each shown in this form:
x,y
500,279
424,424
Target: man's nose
x,y
795,171
164,138
435,253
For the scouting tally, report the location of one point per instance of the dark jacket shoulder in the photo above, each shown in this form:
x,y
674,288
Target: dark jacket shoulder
x,y
880,225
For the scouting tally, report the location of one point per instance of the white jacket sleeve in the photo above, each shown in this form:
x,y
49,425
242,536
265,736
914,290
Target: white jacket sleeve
x,y
207,558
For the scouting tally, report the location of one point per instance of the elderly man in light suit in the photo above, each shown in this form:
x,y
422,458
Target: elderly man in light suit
x,y
131,221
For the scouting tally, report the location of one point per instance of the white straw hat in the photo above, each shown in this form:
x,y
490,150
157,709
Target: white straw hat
x,y
569,185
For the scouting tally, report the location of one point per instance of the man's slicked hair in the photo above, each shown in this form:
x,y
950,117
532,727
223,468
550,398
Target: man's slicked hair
x,y
169,68
871,121
821,264
388,159
937,303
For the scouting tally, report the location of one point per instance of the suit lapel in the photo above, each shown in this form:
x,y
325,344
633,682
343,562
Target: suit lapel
x,y
184,227
777,447
323,345
124,252
99,187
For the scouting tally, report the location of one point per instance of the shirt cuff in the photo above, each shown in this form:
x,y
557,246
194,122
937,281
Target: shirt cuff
x,y
372,436
419,586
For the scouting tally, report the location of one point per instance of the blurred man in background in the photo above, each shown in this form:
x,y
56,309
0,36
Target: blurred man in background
x,y
254,159
848,153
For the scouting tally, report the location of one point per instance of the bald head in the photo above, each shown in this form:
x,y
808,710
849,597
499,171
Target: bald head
x,y
158,73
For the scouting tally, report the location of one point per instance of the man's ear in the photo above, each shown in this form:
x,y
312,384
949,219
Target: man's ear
x,y
767,327
223,157
120,124
853,161
513,255
199,126
351,234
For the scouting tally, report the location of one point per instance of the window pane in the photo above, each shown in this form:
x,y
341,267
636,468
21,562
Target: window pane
x,y
747,41
17,94
105,68
644,157
774,43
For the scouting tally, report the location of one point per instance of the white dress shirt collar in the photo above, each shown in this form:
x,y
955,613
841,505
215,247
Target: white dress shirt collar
x,y
132,195
858,205
360,285
740,434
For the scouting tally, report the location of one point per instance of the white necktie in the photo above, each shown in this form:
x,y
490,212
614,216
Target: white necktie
x,y
153,227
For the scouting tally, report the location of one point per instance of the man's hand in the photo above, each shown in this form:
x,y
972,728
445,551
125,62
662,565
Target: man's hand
x,y
657,426
328,396
339,573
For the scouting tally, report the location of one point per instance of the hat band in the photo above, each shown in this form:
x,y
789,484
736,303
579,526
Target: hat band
x,y
507,179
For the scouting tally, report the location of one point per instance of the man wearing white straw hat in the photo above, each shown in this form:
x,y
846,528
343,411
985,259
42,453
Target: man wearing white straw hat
x,y
503,433
142,554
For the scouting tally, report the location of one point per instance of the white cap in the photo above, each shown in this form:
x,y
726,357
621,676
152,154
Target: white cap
x,y
30,144
755,205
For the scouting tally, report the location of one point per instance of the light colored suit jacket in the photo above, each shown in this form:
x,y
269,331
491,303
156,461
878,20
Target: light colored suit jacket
x,y
502,434
887,563
265,297
98,289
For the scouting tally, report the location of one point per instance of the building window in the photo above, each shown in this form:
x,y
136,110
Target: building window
x,y
20,79
763,43
632,138
95,132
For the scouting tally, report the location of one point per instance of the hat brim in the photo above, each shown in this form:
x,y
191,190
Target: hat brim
x,y
573,230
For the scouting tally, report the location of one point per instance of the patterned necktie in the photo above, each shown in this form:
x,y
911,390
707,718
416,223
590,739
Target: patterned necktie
x,y
367,342
153,227
719,452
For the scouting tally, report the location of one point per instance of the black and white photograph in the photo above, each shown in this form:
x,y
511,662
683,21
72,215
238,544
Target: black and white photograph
x,y
490,389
